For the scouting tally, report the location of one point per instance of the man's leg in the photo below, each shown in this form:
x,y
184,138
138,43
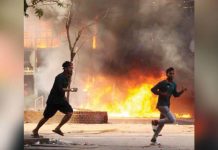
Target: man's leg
x,y
64,120
49,111
158,129
155,125
65,108
169,118
41,122
162,116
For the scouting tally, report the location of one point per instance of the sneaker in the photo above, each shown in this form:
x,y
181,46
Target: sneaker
x,y
153,141
58,131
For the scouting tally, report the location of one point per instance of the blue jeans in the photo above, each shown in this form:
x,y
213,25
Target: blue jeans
x,y
168,118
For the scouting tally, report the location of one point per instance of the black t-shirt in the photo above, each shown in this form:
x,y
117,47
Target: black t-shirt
x,y
165,86
57,94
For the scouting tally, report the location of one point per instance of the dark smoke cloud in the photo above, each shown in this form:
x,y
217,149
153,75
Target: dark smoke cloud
x,y
149,35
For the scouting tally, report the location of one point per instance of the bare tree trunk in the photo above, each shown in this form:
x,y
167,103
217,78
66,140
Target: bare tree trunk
x,y
72,48
72,51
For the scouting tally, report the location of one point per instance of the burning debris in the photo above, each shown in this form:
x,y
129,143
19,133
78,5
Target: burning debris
x,y
121,96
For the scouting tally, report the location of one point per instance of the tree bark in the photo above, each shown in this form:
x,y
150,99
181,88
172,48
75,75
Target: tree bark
x,y
71,48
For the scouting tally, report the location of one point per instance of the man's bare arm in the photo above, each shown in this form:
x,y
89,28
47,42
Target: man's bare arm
x,y
177,94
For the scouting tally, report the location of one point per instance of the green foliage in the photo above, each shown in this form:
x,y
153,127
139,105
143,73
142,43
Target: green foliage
x,y
39,12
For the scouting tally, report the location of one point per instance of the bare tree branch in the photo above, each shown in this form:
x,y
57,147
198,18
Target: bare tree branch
x,y
79,33
69,18
87,26
38,4
68,22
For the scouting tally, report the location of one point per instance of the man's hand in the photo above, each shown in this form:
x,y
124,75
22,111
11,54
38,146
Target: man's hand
x,y
184,89
70,90
74,89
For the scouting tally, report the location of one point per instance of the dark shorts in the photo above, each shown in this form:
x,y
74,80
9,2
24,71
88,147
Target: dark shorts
x,y
51,109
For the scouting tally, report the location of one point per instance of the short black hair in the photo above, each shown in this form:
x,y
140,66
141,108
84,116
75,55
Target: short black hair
x,y
169,69
66,64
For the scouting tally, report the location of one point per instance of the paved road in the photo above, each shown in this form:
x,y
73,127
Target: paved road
x,y
113,137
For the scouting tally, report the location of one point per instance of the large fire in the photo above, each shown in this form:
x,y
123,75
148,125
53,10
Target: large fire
x,y
123,97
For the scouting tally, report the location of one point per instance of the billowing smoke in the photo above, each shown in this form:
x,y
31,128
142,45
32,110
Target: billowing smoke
x,y
144,35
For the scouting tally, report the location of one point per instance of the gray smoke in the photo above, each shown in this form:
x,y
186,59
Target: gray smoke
x,y
145,35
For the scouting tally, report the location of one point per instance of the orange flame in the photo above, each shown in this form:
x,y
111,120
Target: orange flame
x,y
183,115
123,97
94,42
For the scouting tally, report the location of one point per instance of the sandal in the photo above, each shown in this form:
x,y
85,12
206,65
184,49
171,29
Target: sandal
x,y
58,132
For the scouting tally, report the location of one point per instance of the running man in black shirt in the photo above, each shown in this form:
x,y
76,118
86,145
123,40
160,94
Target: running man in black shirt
x,y
57,100
165,89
